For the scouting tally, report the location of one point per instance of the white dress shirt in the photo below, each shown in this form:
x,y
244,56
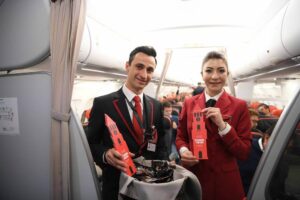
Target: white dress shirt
x,y
130,95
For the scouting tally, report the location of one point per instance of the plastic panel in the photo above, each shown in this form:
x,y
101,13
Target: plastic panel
x,y
24,33
25,157
269,46
291,28
84,182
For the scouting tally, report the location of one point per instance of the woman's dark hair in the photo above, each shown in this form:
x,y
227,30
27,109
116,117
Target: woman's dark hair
x,y
150,51
214,55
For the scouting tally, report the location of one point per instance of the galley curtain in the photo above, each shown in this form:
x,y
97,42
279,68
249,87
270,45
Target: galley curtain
x,y
67,23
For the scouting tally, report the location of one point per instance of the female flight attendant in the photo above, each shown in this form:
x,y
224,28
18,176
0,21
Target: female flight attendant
x,y
228,136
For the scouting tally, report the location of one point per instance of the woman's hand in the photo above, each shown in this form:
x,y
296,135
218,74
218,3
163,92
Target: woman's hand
x,y
188,159
215,115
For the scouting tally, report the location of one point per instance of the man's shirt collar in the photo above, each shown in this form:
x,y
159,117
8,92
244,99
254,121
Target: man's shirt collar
x,y
130,95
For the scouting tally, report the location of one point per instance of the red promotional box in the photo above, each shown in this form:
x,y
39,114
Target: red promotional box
x,y
199,134
120,145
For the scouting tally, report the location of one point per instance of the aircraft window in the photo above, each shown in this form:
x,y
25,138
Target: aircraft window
x,y
285,183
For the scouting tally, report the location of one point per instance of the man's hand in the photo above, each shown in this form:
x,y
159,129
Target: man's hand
x,y
115,159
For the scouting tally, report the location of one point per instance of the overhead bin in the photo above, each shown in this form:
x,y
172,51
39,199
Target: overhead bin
x,y
102,46
269,46
25,27
290,32
277,42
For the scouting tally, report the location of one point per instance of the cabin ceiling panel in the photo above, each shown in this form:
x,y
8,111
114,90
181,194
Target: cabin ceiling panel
x,y
171,25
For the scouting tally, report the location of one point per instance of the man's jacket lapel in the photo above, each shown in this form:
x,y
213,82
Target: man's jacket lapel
x,y
148,110
122,110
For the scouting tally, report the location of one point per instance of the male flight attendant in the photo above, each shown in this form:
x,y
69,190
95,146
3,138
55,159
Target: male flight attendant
x,y
138,117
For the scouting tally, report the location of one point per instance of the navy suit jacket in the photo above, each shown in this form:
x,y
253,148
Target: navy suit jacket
x,y
114,105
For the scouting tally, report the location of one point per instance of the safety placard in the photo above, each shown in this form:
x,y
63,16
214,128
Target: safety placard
x,y
9,119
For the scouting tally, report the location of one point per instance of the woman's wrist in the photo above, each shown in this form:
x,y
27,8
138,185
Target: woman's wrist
x,y
223,126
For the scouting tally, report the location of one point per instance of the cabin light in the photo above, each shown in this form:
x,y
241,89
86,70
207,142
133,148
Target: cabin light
x,y
92,70
296,59
102,72
82,64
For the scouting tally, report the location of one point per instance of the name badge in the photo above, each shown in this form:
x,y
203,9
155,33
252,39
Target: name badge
x,y
151,147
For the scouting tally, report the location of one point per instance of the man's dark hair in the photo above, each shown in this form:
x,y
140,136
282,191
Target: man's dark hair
x,y
150,51
214,55
198,90
166,104
263,105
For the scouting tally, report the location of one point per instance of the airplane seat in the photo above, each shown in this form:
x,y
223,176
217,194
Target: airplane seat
x,y
85,177
265,123
168,133
25,144
25,136
84,122
25,110
25,101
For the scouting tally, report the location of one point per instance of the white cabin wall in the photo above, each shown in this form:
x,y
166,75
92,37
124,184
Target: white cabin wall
x,y
278,93
244,90
288,89
269,93
150,89
167,90
84,93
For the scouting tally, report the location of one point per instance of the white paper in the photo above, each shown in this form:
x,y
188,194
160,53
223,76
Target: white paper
x,y
9,119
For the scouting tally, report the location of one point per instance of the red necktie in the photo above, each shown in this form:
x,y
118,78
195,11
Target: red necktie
x,y
137,128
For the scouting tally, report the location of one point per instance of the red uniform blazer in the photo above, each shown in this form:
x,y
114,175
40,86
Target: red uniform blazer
x,y
219,175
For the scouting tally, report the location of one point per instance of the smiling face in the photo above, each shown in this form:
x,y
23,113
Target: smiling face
x,y
264,109
214,74
140,72
168,111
